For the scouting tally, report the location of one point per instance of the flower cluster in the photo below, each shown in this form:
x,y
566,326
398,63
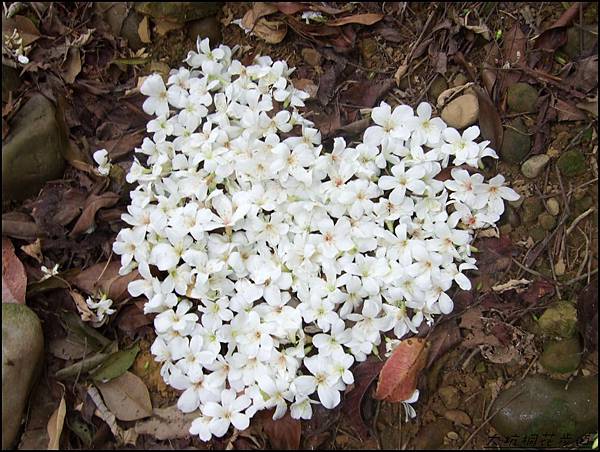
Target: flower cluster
x,y
272,265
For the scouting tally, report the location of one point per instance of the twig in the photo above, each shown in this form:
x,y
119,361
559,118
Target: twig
x,y
578,219
488,419
527,269
579,278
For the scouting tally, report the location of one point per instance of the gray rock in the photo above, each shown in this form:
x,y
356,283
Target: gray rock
x,y
531,208
22,354
541,410
178,11
553,207
32,153
533,166
521,98
461,112
561,356
559,320
516,143
209,27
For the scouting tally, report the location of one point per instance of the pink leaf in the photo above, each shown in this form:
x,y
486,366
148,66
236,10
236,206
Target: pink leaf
x,y
14,279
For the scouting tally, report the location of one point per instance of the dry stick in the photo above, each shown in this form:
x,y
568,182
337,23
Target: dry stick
x,y
587,252
488,419
578,219
556,285
588,275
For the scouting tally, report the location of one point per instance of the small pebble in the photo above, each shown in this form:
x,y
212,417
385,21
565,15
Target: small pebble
x,y
452,435
458,417
461,112
533,166
553,206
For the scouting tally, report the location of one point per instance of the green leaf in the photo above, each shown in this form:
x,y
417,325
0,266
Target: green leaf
x,y
131,61
82,366
115,365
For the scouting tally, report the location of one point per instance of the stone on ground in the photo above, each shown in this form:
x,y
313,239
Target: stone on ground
x,y
461,112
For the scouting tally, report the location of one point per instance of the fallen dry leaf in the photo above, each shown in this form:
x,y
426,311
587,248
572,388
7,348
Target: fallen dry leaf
x,y
165,423
56,424
14,279
84,310
34,250
444,337
398,377
72,65
489,119
364,374
92,205
144,30
555,36
258,10
283,433
27,30
127,397
362,19
270,31
587,315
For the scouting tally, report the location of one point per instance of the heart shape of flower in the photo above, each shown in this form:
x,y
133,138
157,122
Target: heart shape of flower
x,y
273,265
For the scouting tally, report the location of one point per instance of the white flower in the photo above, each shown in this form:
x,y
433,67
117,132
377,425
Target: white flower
x,y
102,307
104,165
227,412
157,102
48,273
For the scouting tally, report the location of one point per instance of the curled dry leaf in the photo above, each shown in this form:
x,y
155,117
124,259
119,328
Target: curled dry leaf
x,y
20,226
258,10
27,30
555,36
104,277
362,19
82,307
270,31
127,397
14,279
398,377
72,65
144,30
56,424
34,250
283,433
489,119
92,205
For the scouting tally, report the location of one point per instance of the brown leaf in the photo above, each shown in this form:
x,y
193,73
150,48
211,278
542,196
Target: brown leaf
x,y
270,31
104,277
308,86
362,19
489,119
536,291
283,433
398,377
585,76
14,279
444,337
34,250
555,36
27,30
144,30
364,374
258,10
92,205
20,226
366,93
127,397
587,315
290,8
72,65
84,310
132,318
56,424
166,423
164,26
567,111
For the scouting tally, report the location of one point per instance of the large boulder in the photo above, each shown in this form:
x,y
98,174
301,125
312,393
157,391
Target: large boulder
x,y
32,151
22,354
540,412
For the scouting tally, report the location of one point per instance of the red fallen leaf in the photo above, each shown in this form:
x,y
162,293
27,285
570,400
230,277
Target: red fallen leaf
x,y
537,291
132,318
284,433
14,279
366,93
495,254
290,8
92,205
364,374
398,377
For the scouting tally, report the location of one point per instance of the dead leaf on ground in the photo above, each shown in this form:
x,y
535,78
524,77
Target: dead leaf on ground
x,y
104,277
364,375
366,93
14,279
398,377
92,205
132,318
270,31
144,30
489,119
555,36
34,250
164,26
127,397
308,86
84,310
19,225
283,433
362,19
445,336
56,424
567,111
72,65
27,30
165,423
590,105
258,10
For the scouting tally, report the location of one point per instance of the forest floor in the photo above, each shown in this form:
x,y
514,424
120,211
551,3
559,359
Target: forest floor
x,y
87,61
